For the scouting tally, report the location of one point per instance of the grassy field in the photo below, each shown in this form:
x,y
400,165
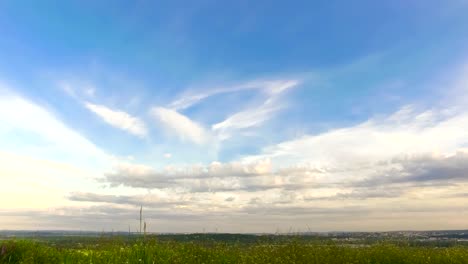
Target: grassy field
x,y
153,250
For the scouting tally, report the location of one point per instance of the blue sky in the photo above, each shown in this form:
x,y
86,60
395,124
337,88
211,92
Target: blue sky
x,y
214,109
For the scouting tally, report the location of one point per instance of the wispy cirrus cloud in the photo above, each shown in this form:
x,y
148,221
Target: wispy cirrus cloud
x,y
119,119
269,87
191,98
180,125
248,118
255,116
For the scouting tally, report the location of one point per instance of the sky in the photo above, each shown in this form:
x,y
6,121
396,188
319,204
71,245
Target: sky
x,y
234,116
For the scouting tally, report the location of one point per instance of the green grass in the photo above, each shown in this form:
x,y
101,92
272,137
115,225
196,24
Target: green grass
x,y
294,251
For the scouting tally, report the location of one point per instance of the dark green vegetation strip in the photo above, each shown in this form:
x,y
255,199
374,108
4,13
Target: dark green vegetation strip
x,y
26,251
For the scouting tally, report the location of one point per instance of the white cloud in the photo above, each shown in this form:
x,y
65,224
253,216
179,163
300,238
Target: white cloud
x,y
119,119
405,132
167,155
180,125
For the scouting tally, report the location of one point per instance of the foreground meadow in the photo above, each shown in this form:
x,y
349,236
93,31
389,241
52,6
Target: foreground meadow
x,y
293,251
